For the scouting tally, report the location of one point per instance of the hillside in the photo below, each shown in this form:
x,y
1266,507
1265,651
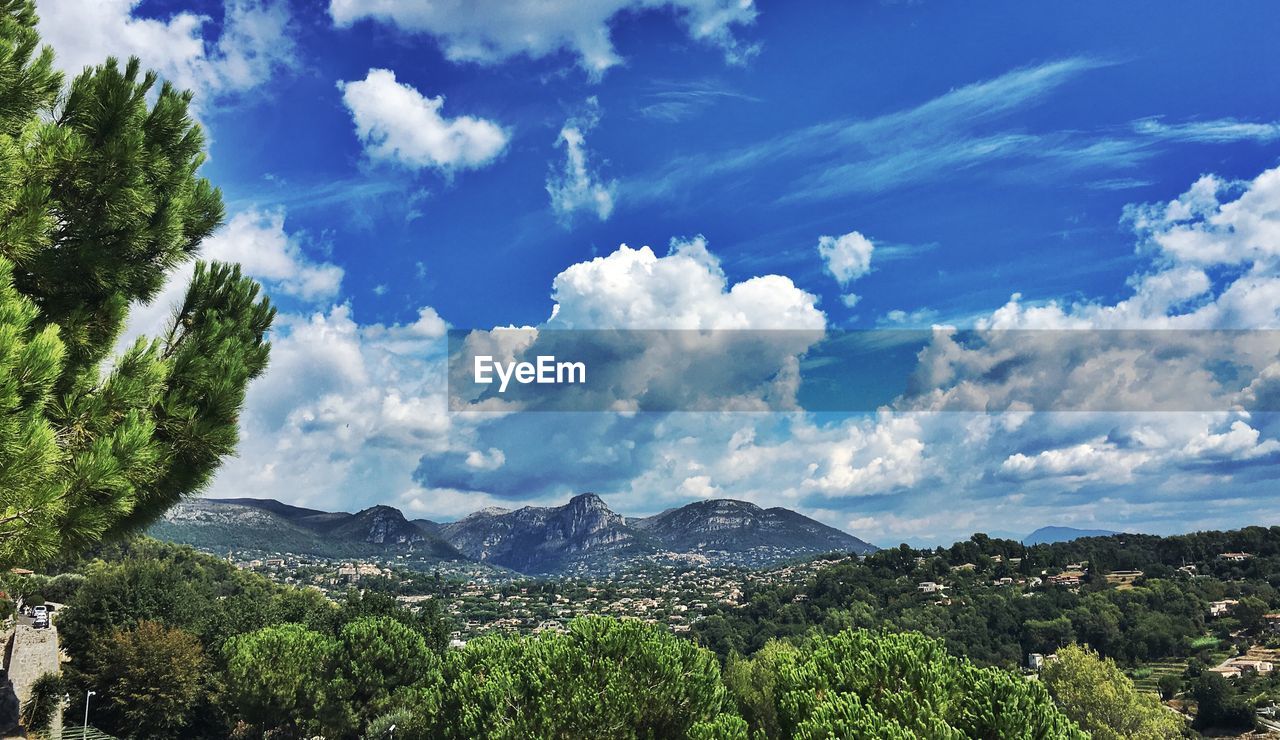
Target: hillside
x,y
739,528
272,527
1049,535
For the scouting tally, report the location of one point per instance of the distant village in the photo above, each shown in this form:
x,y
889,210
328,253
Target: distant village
x,y
670,590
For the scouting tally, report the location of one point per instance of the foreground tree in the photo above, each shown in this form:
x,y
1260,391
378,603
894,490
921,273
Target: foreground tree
x,y
150,680
1094,692
1219,705
99,204
377,658
603,678
278,678
862,685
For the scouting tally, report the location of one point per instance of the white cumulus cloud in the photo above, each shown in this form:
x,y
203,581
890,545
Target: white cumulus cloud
x,y
847,258
396,123
258,242
685,289
254,42
490,31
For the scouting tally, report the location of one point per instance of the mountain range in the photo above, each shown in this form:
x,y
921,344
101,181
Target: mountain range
x,y
583,535
1049,535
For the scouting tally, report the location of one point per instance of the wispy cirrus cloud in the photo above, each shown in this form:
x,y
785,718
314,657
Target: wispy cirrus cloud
x,y
962,128
575,185
1217,131
672,102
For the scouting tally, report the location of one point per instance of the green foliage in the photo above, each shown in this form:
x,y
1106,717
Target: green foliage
x,y
863,685
1163,615
428,621
723,727
202,595
149,679
46,696
375,659
752,684
1094,693
380,726
378,648
99,204
1249,612
603,678
277,677
1219,705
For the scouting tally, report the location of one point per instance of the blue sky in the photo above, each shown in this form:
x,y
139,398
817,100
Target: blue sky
x,y
974,151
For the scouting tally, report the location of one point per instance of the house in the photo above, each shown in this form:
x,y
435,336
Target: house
x,y
929,587
964,566
1067,578
1035,661
1272,622
1235,557
1222,608
1226,671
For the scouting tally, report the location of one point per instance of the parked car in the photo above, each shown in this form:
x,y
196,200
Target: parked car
x,y
41,621
41,609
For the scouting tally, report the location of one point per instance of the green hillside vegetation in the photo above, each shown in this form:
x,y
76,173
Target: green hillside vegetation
x,y
1163,616
280,536
181,644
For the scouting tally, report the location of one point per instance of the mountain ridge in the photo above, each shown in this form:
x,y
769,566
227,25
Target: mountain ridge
x,y
1051,534
583,534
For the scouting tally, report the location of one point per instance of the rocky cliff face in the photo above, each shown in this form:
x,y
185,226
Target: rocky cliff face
x,y
543,539
387,527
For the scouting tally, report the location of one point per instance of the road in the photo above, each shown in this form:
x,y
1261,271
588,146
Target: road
x,y
32,653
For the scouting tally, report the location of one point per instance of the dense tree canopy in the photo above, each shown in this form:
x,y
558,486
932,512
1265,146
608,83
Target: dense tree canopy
x,y
1105,703
100,202
277,676
860,684
148,678
603,678
1163,614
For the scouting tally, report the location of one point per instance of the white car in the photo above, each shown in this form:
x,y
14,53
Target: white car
x,y
40,611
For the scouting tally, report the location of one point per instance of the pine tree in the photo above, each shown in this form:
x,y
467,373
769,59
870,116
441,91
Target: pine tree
x,y
100,202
